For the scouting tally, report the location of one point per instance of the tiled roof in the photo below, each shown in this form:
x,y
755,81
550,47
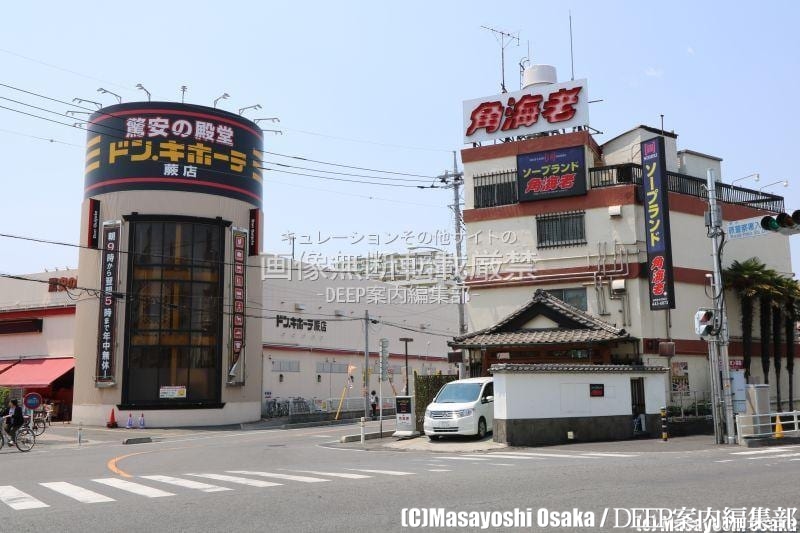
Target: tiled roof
x,y
581,369
591,329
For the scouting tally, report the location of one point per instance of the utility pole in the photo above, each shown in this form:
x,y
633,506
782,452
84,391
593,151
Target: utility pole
x,y
719,344
366,363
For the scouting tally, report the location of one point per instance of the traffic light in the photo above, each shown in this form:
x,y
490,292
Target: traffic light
x,y
782,223
384,362
704,322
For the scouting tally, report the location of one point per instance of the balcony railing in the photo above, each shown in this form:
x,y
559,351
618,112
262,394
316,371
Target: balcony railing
x,y
500,188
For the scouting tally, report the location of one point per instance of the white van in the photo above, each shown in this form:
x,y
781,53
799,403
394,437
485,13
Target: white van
x,y
462,407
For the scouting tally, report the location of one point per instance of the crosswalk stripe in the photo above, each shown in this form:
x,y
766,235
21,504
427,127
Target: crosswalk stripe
x,y
301,479
344,475
187,483
546,455
770,450
387,472
509,456
779,456
609,455
474,457
18,500
135,488
77,493
239,480
439,470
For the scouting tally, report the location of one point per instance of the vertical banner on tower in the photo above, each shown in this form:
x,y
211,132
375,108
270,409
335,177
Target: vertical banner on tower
x,y
93,228
239,287
108,309
655,187
254,243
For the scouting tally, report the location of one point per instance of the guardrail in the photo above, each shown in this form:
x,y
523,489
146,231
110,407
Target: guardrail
x,y
766,425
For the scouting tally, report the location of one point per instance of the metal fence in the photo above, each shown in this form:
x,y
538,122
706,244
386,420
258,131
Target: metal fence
x,y
690,404
766,425
285,407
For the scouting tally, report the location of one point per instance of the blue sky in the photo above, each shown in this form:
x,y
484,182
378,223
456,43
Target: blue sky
x,y
380,86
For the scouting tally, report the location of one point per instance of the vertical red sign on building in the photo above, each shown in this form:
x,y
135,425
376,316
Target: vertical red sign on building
x,y
108,314
239,284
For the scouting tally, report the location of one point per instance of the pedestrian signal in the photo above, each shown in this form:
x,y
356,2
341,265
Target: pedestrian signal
x,y
704,322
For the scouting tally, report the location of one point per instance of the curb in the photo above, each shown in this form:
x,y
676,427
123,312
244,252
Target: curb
x,y
367,436
138,440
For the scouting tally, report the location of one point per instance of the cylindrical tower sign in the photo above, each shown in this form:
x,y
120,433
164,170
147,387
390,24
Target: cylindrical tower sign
x,y
170,146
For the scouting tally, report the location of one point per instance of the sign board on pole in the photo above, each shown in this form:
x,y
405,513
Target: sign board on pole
x,y
743,229
32,400
406,423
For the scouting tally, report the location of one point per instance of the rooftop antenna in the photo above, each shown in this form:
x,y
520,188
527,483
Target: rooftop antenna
x,y
571,57
184,88
523,64
502,36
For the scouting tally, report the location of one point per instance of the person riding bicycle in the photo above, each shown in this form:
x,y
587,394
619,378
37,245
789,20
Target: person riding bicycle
x,y
13,420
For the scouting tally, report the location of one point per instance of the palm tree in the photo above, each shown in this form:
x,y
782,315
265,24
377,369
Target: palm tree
x,y
745,278
792,292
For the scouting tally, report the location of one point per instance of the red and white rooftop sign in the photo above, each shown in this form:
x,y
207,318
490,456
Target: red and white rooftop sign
x,y
536,109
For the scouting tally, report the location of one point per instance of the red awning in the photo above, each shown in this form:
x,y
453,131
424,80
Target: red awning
x,y
5,365
36,372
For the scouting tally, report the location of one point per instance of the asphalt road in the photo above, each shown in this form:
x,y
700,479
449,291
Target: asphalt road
x,y
304,480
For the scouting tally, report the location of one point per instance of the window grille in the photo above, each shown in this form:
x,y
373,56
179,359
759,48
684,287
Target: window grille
x,y
561,229
284,365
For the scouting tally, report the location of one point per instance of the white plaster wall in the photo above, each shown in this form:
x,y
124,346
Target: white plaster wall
x,y
55,339
565,395
232,413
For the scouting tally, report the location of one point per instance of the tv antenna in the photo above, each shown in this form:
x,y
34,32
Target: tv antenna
x,y
504,39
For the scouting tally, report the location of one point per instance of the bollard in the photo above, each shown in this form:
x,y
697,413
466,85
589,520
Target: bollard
x,y
363,420
80,433
664,430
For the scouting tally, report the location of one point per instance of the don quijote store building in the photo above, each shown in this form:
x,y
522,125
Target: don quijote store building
x,y
606,269
170,235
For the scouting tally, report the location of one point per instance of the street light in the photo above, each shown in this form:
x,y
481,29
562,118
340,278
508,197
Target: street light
x,y
784,182
756,174
243,109
106,91
407,340
140,86
223,96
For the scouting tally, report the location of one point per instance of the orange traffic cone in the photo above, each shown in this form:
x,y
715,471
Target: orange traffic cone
x,y
141,421
778,428
112,420
129,425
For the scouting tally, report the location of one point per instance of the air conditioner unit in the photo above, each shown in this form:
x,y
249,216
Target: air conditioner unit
x,y
618,286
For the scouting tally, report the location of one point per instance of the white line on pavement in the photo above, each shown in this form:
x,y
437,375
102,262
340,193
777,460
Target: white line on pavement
x,y
770,450
16,499
301,479
782,455
387,472
77,493
344,475
610,454
239,480
475,457
136,488
187,483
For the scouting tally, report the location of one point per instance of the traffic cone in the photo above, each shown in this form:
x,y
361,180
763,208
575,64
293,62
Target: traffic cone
x,y
141,421
778,428
112,420
129,425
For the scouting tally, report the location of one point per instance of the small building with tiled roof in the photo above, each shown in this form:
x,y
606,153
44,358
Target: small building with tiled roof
x,y
547,330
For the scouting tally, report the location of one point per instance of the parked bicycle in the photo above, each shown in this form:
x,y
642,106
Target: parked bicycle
x,y
24,439
39,423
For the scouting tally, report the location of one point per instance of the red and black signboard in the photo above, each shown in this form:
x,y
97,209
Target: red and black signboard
x,y
93,228
597,390
551,174
656,223
171,146
108,310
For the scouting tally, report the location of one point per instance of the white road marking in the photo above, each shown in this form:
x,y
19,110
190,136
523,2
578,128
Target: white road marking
x,y
724,461
545,455
301,479
77,493
610,455
782,455
501,464
136,488
769,450
475,457
510,456
239,480
334,474
187,483
387,472
439,470
18,500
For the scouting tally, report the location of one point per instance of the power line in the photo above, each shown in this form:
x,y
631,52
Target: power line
x,y
350,166
352,181
344,173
